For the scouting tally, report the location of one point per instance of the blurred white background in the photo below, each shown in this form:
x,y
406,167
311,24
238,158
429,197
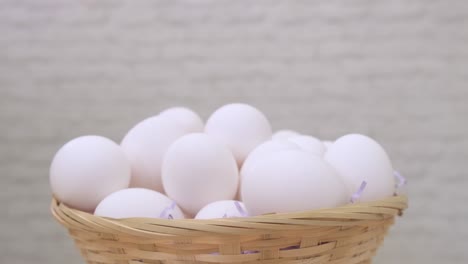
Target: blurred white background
x,y
395,70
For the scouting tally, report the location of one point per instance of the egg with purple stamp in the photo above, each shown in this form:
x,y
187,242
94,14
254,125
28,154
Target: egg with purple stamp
x,y
359,158
222,209
138,202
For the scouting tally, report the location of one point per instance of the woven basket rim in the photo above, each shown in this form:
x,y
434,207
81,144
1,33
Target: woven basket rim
x,y
365,213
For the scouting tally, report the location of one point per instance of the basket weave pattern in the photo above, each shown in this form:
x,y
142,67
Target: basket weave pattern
x,y
348,235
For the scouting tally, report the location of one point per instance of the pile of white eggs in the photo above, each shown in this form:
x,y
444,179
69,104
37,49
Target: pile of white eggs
x,y
174,166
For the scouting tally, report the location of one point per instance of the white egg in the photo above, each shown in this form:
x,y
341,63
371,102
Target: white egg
x,y
292,180
87,169
241,127
198,170
358,158
145,145
309,144
284,134
259,152
138,202
222,209
264,149
184,118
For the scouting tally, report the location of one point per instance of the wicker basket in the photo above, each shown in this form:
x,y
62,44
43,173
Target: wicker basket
x,y
349,234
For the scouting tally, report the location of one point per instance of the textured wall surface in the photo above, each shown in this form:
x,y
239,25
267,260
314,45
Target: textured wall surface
x,y
395,70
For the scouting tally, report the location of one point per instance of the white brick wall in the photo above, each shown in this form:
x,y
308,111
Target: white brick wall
x,y
396,70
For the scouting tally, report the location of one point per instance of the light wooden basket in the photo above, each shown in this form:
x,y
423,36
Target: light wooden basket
x,y
349,234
